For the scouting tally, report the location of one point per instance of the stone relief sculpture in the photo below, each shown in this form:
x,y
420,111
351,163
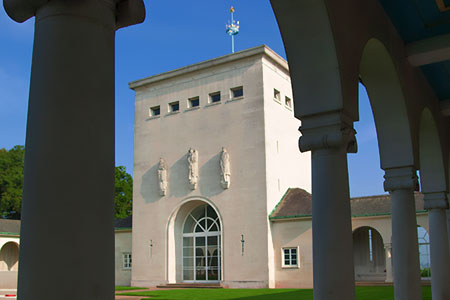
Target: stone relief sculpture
x,y
162,177
193,168
225,170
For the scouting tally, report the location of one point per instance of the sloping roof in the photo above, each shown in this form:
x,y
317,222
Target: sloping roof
x,y
9,226
297,203
123,223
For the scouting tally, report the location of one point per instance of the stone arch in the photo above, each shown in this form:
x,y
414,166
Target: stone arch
x,y
379,76
368,254
310,47
174,236
432,170
9,257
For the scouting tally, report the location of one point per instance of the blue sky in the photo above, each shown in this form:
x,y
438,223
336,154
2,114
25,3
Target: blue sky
x,y
175,34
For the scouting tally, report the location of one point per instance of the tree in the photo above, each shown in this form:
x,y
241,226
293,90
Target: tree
x,y
123,195
11,183
11,179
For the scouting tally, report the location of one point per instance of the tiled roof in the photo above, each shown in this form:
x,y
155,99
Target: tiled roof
x,y
298,203
9,226
123,223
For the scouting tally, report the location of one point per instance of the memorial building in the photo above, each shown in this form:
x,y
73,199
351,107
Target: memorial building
x,y
221,190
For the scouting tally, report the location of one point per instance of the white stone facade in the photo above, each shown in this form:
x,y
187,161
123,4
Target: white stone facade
x,y
258,131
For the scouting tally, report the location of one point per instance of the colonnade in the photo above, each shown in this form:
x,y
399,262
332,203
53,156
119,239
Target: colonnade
x,y
330,47
70,150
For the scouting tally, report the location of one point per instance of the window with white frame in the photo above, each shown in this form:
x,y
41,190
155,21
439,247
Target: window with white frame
x,y
290,257
126,262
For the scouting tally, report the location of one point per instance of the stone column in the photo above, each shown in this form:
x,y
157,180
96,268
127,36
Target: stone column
x,y
388,255
330,137
436,204
401,184
67,233
448,223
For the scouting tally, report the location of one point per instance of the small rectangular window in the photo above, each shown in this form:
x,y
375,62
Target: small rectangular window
x,y
155,111
214,97
290,257
237,92
193,102
126,262
276,95
288,102
174,106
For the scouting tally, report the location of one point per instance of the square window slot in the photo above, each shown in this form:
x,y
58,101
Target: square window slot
x,y
288,102
214,97
155,111
237,92
174,106
276,95
193,102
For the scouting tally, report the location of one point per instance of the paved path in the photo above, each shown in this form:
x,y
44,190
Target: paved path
x,y
12,294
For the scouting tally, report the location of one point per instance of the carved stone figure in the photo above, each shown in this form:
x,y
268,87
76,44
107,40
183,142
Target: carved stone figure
x,y
193,168
162,177
225,170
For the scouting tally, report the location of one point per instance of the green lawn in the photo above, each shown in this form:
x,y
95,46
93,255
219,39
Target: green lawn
x,y
128,288
362,293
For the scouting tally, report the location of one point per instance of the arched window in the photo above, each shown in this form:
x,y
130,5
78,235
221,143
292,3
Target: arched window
x,y
201,245
424,252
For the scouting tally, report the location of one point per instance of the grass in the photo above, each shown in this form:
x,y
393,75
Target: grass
x,y
128,288
362,293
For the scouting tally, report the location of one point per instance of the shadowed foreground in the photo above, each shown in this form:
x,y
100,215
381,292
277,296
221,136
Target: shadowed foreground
x,y
362,293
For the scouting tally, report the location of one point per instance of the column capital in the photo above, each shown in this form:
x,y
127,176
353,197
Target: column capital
x,y
126,12
401,178
22,10
129,12
327,130
387,245
435,200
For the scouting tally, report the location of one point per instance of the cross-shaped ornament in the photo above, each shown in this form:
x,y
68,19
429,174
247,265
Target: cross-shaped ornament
x,y
242,242
151,248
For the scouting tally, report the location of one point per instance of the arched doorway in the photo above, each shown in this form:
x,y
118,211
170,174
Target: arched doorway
x,y
201,245
368,254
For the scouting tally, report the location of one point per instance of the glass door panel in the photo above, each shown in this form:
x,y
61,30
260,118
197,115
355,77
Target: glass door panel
x,y
213,273
188,273
201,246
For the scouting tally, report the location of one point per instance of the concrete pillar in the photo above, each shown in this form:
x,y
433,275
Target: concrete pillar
x,y
436,204
388,255
67,232
448,223
329,137
401,184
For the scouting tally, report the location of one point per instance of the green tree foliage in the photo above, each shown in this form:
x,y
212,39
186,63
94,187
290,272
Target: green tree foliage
x,y
11,179
123,193
11,182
